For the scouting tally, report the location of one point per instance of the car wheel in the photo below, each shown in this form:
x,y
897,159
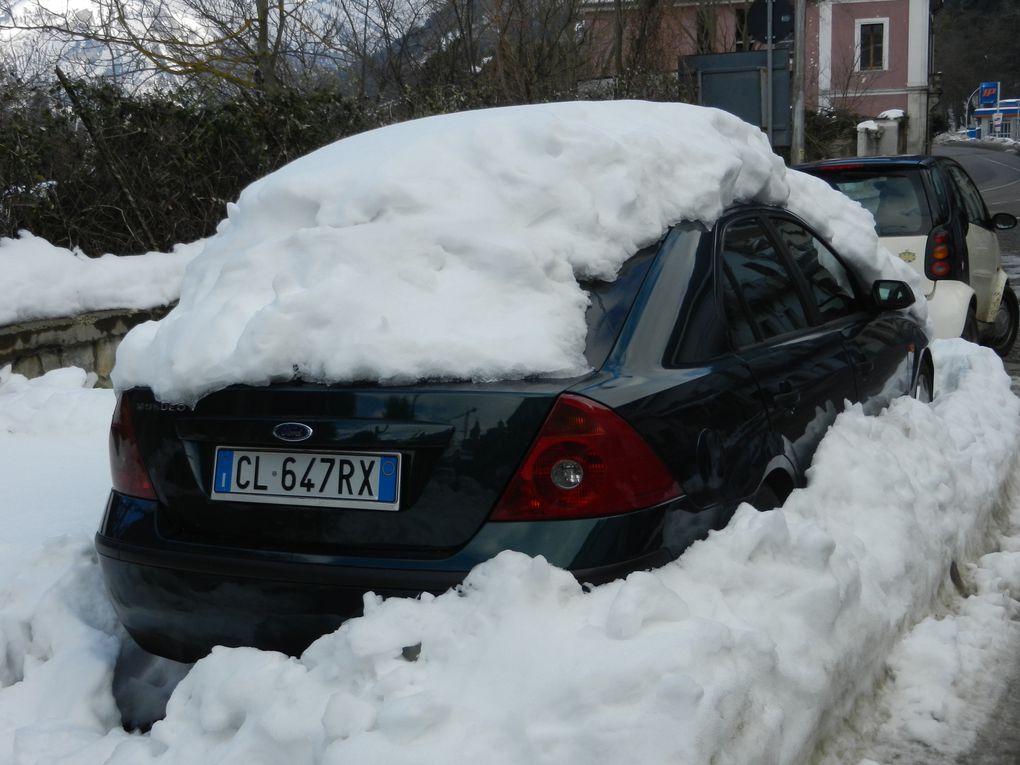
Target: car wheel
x,y
924,387
765,498
970,327
1002,334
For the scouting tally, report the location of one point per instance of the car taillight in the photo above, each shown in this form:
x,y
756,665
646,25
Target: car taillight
x,y
128,473
938,261
585,462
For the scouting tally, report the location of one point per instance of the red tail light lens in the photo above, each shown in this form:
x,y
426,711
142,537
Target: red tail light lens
x,y
128,473
586,462
938,260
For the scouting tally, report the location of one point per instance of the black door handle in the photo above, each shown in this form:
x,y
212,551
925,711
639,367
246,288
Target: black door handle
x,y
784,396
786,400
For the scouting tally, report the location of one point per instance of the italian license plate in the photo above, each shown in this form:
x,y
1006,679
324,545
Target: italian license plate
x,y
327,479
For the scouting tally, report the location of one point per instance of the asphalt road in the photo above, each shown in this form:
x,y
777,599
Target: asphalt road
x,y
996,171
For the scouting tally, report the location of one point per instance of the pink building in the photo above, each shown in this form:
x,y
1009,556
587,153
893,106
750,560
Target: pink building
x,y
868,56
871,56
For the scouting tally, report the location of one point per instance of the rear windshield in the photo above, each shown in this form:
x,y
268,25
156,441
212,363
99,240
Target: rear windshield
x,y
610,304
895,198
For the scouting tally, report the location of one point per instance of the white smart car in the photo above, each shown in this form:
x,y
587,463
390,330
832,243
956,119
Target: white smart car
x,y
930,213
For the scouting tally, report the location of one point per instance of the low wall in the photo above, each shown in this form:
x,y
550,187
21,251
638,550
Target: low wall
x,y
88,341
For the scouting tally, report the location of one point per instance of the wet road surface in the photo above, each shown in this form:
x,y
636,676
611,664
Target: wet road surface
x,y
997,173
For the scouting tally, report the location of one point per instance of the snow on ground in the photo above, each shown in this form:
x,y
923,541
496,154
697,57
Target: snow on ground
x,y
962,135
752,647
454,230
75,283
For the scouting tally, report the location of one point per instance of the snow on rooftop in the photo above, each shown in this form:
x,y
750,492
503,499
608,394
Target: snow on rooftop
x,y
451,247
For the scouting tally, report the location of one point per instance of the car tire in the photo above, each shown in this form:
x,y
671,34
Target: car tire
x,y
970,327
765,498
924,386
1002,334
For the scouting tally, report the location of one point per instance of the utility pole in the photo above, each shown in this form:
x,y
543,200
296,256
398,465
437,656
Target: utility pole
x,y
799,62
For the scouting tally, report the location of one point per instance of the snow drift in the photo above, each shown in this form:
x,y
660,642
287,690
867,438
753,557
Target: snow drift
x,y
42,281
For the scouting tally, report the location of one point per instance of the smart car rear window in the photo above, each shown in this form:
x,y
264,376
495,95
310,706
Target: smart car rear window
x,y
896,198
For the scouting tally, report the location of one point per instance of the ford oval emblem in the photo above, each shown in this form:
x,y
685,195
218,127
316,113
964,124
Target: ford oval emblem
x,y
292,431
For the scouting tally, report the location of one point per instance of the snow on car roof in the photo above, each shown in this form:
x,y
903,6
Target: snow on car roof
x,y
451,247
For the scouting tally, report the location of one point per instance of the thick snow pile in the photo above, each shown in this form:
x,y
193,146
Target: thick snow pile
x,y
58,632
42,281
450,247
749,648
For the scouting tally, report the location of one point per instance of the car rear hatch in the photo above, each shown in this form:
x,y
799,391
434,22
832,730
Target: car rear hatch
x,y
337,470
896,197
911,250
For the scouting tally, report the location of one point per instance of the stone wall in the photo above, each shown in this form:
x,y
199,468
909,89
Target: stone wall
x,y
88,341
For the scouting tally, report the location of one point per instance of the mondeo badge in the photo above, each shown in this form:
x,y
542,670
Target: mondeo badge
x,y
292,431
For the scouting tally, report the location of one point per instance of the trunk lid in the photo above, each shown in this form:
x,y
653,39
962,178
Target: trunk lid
x,y
456,446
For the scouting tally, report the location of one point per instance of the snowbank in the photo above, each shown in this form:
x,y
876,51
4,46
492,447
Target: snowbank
x,y
450,247
746,649
42,281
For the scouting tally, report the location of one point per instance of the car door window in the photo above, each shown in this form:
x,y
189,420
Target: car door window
x,y
972,201
830,283
760,298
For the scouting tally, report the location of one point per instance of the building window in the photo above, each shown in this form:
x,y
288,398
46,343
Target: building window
x,y
872,45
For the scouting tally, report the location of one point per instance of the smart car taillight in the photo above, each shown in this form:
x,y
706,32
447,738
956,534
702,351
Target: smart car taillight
x,y
938,260
586,461
128,473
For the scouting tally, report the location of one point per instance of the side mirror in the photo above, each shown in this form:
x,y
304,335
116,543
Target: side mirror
x,y
891,295
1004,221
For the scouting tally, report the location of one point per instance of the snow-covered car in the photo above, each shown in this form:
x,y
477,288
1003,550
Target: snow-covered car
x,y
585,332
930,213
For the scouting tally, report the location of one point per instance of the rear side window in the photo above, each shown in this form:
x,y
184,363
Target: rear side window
x,y
938,180
611,303
972,201
895,198
830,283
759,296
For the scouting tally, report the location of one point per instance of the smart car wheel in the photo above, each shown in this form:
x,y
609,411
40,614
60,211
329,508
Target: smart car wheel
x,y
1002,334
970,328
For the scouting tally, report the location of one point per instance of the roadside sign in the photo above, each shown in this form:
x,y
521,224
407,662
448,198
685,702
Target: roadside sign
x,y
997,120
988,94
782,20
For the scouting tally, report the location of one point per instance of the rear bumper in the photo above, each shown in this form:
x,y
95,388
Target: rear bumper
x,y
178,600
948,305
